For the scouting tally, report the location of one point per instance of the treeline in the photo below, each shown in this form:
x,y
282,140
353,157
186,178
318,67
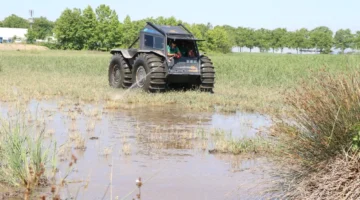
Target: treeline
x,y
100,28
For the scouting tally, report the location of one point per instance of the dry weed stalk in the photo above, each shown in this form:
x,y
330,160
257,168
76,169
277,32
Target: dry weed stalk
x,y
322,117
321,122
337,179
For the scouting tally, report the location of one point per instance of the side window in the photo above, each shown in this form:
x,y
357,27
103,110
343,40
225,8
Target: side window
x,y
159,43
149,41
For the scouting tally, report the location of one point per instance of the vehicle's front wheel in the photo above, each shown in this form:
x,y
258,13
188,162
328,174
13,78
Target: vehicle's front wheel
x,y
149,73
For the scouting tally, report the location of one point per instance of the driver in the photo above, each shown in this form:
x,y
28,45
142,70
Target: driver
x,y
173,50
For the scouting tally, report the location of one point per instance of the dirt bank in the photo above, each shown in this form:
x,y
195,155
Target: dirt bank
x,y
21,47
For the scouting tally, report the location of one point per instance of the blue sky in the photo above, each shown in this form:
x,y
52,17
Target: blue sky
x,y
269,14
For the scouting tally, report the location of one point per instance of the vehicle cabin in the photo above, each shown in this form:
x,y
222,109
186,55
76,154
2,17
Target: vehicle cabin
x,y
154,37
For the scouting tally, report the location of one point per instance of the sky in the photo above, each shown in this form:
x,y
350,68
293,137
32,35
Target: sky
x,y
269,14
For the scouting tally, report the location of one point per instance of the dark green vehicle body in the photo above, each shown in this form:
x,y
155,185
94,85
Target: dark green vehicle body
x,y
153,41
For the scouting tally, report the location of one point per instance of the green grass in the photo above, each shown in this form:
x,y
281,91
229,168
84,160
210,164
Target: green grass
x,y
26,160
251,82
224,142
325,107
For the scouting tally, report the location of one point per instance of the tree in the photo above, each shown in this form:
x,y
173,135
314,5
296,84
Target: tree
x,y
343,39
203,28
30,36
357,40
231,34
263,39
240,37
278,39
196,31
131,32
322,38
68,29
217,40
250,38
14,21
290,40
300,39
90,27
172,21
1,24
42,27
108,28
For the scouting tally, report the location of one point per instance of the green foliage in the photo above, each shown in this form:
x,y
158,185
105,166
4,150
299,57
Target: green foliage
x,y
69,31
100,29
322,38
240,37
24,158
90,25
42,27
129,28
356,40
279,39
52,46
301,39
217,40
14,21
108,27
356,138
343,39
30,36
224,142
231,34
263,39
196,30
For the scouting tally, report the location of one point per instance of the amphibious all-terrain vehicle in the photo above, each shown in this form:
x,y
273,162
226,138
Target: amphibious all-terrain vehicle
x,y
152,69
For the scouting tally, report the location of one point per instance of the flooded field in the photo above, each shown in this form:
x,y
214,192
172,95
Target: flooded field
x,y
168,147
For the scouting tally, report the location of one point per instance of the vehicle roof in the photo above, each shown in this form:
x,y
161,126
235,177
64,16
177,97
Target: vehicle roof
x,y
173,32
178,30
172,29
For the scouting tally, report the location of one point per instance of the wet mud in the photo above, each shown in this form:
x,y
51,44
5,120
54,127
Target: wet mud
x,y
167,147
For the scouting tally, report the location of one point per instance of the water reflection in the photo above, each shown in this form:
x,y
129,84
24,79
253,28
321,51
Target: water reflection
x,y
163,146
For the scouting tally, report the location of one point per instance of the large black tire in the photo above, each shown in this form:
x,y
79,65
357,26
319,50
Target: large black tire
x,y
119,74
151,67
207,79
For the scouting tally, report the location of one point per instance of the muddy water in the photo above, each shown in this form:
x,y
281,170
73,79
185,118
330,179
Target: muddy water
x,y
167,148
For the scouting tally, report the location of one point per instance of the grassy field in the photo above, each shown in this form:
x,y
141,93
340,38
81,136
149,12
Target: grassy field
x,y
325,107
250,82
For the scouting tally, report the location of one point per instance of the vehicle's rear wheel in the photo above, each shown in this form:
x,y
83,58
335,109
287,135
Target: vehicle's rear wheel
x,y
119,74
207,78
149,73
140,76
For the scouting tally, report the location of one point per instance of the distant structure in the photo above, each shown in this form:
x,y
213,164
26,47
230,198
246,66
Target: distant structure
x,y
17,35
31,19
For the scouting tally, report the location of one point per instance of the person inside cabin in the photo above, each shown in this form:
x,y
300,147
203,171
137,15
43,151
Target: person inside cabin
x,y
183,49
190,51
173,50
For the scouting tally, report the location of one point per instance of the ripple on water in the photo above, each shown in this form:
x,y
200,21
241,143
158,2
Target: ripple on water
x,y
158,145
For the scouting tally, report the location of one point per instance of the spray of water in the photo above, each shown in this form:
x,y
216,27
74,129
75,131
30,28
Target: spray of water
x,y
122,95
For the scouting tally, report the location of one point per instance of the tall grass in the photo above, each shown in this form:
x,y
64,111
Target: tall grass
x,y
248,82
321,127
25,159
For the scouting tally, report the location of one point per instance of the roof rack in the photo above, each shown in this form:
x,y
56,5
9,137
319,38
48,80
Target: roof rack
x,y
156,28
186,29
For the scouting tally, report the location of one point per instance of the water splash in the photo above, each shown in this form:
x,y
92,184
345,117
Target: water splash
x,y
122,95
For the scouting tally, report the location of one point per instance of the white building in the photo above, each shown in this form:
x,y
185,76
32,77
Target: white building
x,y
7,34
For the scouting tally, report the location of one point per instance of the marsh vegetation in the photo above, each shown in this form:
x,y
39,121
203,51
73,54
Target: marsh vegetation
x,y
66,132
